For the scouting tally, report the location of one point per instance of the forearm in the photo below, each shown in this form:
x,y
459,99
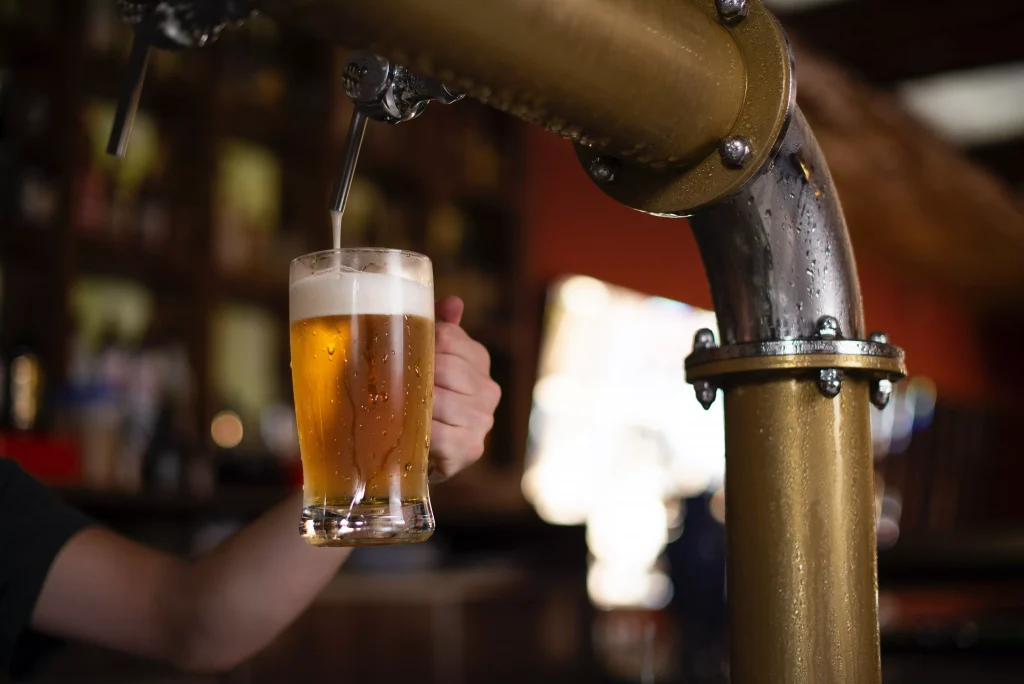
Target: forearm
x,y
244,592
209,614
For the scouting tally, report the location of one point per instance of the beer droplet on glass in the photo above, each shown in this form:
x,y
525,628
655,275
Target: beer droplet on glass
x,y
330,349
386,357
416,369
406,469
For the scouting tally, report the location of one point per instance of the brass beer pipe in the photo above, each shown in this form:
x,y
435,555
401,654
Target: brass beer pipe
x,y
659,82
686,107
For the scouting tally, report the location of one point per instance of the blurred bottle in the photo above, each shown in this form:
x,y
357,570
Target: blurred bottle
x,y
458,268
247,205
38,196
92,201
122,200
99,440
153,217
25,389
29,177
96,405
165,386
697,569
3,387
481,161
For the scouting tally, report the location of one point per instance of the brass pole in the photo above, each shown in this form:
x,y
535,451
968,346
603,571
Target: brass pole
x,y
801,532
661,82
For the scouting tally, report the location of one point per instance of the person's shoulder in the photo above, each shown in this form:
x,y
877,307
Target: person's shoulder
x,y
10,470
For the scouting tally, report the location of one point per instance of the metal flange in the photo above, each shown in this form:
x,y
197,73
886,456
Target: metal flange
x,y
875,359
770,97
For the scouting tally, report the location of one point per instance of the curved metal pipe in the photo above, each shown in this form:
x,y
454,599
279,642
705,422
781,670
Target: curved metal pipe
x,y
777,254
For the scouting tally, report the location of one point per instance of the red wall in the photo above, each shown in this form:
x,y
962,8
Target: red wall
x,y
572,227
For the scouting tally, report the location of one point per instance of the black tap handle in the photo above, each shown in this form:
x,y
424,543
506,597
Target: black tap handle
x,y
128,103
353,143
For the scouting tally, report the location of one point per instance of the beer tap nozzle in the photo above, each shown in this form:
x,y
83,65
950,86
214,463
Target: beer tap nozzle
x,y
353,143
169,25
383,91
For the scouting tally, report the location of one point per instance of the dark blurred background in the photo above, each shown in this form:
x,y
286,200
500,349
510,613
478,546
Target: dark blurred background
x,y
144,357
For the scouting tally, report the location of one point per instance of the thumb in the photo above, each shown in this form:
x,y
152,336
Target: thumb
x,y
449,310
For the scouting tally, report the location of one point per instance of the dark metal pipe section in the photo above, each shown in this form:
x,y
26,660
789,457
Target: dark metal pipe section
x,y
655,81
777,254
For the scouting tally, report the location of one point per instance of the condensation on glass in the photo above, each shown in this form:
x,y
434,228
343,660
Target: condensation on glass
x,y
362,359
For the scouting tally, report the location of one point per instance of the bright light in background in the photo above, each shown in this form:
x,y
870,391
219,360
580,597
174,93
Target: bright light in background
x,y
971,107
611,586
616,433
226,430
911,408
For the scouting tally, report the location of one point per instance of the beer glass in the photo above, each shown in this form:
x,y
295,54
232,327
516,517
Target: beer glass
x,y
362,357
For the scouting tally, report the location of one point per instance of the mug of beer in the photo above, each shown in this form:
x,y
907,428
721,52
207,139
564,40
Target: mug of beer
x,y
362,356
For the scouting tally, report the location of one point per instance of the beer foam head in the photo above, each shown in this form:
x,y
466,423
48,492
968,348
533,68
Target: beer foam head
x,y
353,293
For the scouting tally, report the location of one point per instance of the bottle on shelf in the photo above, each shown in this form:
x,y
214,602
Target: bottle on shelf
x,y
247,206
25,389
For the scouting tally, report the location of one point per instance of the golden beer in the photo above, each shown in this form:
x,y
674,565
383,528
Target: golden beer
x,y
362,356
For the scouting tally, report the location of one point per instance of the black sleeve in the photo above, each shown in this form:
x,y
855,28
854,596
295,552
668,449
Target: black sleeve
x,y
34,526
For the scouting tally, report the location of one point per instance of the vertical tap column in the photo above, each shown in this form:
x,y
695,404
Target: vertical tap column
x,y
799,379
801,532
